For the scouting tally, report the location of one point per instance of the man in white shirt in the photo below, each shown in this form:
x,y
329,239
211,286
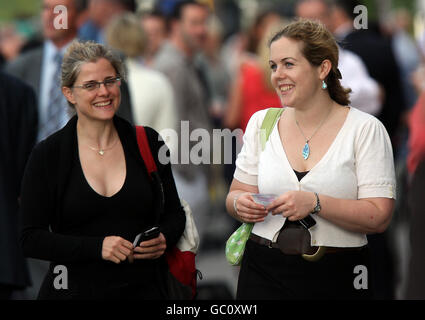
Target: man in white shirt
x,y
366,93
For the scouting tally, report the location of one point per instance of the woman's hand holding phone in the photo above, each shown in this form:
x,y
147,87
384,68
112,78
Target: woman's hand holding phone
x,y
150,249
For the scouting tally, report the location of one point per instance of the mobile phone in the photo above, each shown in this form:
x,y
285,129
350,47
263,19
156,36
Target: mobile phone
x,y
308,222
146,235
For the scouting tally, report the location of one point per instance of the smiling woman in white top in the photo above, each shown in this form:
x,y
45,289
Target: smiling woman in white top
x,y
323,160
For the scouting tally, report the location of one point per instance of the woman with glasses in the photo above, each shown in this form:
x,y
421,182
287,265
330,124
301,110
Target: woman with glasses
x,y
86,193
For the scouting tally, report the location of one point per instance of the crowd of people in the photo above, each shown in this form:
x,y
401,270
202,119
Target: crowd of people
x,y
179,65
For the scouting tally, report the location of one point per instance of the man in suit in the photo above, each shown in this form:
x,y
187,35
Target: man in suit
x,y
18,125
378,56
39,67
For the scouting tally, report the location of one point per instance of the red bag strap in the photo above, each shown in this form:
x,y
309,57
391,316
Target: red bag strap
x,y
145,150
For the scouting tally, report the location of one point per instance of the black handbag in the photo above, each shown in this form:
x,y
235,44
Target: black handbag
x,y
295,239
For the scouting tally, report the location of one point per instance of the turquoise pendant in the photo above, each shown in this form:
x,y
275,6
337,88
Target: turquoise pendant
x,y
306,151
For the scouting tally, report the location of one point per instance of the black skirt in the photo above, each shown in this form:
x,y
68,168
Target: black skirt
x,y
267,273
103,281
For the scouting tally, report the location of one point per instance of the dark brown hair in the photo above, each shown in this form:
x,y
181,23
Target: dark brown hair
x,y
318,45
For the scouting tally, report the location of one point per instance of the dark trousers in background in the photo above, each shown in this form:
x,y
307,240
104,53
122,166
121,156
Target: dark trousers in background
x,y
382,262
267,273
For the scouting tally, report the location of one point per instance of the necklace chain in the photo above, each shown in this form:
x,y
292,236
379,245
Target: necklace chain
x,y
306,149
101,151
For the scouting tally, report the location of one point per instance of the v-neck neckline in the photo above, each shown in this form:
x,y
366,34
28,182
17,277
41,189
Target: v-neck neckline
x,y
276,135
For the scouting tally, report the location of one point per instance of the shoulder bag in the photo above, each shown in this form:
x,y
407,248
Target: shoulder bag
x,y
182,275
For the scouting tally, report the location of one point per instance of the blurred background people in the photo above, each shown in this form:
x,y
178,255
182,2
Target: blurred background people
x,y
415,284
416,168
416,122
406,51
251,89
11,43
18,126
366,94
378,56
100,13
421,42
40,67
215,70
176,59
397,28
418,77
212,65
151,93
154,24
416,280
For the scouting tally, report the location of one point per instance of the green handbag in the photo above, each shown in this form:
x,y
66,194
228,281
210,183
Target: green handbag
x,y
235,245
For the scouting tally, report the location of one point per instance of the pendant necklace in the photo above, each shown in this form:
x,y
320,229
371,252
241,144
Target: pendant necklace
x,y
101,151
306,149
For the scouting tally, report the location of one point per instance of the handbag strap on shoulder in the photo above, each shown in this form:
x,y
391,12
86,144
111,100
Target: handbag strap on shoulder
x,y
145,150
146,153
272,116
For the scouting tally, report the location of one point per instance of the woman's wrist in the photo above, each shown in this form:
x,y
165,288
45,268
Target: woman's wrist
x,y
234,201
317,206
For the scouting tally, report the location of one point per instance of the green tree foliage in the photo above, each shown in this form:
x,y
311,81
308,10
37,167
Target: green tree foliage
x,y
18,9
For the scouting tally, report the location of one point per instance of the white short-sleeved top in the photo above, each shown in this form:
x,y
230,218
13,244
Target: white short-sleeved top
x,y
358,164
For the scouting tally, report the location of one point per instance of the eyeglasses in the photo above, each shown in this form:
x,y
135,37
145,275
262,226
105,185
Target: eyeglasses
x,y
94,85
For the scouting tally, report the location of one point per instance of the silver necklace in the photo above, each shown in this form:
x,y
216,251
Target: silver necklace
x,y
306,149
101,151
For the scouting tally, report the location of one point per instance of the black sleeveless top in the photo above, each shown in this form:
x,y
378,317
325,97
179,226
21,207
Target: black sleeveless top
x,y
299,175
